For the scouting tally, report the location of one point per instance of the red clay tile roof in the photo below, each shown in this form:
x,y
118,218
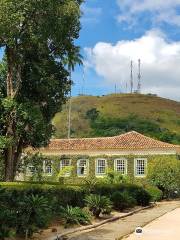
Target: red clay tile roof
x,y
127,141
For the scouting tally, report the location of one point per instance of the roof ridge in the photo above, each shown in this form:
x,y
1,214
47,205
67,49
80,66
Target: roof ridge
x,y
157,140
115,137
128,140
84,138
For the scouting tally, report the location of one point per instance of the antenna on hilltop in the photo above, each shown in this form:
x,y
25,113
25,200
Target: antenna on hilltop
x,y
131,80
139,76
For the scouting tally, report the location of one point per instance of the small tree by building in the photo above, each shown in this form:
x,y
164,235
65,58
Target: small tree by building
x,y
165,174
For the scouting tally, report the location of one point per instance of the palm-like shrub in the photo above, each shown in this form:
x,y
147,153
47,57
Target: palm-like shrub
x,y
90,184
7,218
98,204
122,200
34,213
7,215
113,177
74,215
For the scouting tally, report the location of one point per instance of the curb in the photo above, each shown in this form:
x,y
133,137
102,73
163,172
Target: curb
x,y
84,228
145,224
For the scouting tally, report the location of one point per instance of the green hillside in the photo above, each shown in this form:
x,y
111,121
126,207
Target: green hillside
x,y
113,114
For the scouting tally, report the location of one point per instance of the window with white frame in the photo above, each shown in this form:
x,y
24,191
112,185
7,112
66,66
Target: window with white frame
x,y
64,166
31,170
82,167
100,166
120,165
47,167
140,167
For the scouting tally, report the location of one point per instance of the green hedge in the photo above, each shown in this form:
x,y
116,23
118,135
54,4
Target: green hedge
x,y
74,195
141,196
57,194
155,193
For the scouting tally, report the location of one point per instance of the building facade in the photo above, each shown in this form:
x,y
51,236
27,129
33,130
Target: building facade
x,y
128,154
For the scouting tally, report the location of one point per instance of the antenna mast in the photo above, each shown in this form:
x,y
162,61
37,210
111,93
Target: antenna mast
x,y
131,81
139,76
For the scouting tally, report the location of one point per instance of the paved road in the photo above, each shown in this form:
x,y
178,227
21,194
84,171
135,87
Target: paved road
x,y
166,227
123,227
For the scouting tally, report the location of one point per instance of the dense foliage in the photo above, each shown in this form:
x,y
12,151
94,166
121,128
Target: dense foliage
x,y
108,126
154,116
155,193
122,200
37,38
74,215
141,196
27,207
165,174
113,177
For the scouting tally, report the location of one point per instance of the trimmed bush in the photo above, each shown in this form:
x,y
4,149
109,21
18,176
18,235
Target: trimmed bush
x,y
141,196
155,193
98,204
58,194
74,215
122,200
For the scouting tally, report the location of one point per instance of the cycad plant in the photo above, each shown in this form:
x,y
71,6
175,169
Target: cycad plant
x,y
74,215
7,215
7,218
98,204
34,212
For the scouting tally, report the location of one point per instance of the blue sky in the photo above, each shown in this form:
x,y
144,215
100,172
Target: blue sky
x,y
114,32
108,26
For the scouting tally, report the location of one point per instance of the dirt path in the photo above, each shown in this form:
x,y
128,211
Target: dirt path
x,y
164,228
123,227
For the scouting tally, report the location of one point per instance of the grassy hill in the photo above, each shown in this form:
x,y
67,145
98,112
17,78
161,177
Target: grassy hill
x,y
114,110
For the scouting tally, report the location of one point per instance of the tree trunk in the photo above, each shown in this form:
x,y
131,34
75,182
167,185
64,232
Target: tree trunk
x,y
9,134
10,65
12,159
9,165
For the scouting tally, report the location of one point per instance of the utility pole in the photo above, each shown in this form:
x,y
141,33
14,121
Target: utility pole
x,y
131,78
139,76
115,89
69,113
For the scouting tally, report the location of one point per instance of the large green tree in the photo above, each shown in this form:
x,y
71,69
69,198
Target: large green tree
x,y
38,40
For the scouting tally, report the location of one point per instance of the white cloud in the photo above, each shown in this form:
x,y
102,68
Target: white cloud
x,y
160,63
162,11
